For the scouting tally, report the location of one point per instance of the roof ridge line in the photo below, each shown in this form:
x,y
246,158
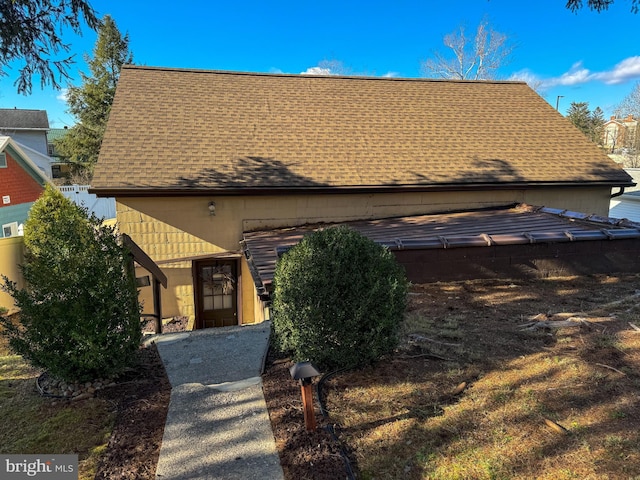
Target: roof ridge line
x,y
304,75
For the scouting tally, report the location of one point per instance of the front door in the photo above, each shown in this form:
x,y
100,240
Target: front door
x,y
216,293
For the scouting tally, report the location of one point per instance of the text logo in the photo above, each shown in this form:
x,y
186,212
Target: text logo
x,y
50,467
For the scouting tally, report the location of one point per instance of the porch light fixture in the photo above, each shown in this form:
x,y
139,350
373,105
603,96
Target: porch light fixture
x,y
304,372
212,208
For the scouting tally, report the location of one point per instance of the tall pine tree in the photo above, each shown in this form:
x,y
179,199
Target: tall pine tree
x,y
580,116
588,122
91,102
31,35
597,126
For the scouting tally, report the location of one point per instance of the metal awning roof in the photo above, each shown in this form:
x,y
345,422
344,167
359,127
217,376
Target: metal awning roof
x,y
513,225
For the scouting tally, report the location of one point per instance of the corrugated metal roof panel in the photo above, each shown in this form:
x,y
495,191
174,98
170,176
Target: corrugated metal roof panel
x,y
622,233
510,226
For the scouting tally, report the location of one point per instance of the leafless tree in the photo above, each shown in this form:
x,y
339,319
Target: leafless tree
x,y
473,59
630,104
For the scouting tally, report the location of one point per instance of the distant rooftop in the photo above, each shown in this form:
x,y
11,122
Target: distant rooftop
x,y
56,134
18,119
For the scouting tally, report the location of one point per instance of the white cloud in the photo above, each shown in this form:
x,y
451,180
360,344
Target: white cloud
x,y
627,70
317,71
336,67
63,95
525,76
576,75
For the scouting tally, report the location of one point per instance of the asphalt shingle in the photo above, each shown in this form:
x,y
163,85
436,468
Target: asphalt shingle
x,y
172,129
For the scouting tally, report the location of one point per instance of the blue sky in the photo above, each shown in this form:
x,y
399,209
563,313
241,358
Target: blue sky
x,y
585,57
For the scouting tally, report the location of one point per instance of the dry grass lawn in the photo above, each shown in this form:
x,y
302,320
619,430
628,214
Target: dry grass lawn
x,y
32,424
471,394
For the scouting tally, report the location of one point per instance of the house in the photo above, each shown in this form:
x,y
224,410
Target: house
x,y
58,166
21,183
627,205
28,128
620,133
199,161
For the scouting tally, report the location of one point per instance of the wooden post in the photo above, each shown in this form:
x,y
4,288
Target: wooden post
x,y
307,405
157,304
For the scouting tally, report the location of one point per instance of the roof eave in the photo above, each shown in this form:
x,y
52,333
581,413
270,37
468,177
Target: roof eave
x,y
27,129
133,191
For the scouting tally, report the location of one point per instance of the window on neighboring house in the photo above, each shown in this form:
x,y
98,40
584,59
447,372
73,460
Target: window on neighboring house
x,y
10,229
3,160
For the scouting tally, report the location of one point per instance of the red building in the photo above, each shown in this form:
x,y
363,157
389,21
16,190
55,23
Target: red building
x,y
21,183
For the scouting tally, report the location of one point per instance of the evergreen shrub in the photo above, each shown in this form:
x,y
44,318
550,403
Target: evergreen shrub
x,y
338,299
79,314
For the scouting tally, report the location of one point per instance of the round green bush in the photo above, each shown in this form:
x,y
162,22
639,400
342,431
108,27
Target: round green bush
x,y
338,299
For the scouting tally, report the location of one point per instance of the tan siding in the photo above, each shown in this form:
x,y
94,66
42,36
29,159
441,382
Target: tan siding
x,y
585,200
179,227
11,255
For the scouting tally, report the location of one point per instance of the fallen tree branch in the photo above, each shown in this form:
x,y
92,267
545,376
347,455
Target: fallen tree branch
x,y
635,327
555,426
634,295
429,355
610,368
569,322
459,389
420,338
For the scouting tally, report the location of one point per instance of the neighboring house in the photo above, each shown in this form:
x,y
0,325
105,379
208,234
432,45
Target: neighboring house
x,y
58,167
200,161
43,162
21,183
627,205
619,132
27,127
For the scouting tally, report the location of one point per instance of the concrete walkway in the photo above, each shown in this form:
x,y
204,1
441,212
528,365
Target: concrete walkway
x,y
217,426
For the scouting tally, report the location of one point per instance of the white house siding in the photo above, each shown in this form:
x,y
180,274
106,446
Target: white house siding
x,y
625,206
35,140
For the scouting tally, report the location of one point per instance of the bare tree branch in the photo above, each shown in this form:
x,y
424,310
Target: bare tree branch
x,y
599,5
478,61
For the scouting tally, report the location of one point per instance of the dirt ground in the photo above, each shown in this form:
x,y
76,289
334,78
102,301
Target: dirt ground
x,y
463,344
477,331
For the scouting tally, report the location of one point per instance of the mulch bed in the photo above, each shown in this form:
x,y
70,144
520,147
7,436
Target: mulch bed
x,y
303,455
142,400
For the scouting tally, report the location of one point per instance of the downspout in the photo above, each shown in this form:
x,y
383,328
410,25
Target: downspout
x,y
614,195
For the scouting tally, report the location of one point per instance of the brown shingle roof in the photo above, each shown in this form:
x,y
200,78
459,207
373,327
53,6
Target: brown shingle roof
x,y
192,130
